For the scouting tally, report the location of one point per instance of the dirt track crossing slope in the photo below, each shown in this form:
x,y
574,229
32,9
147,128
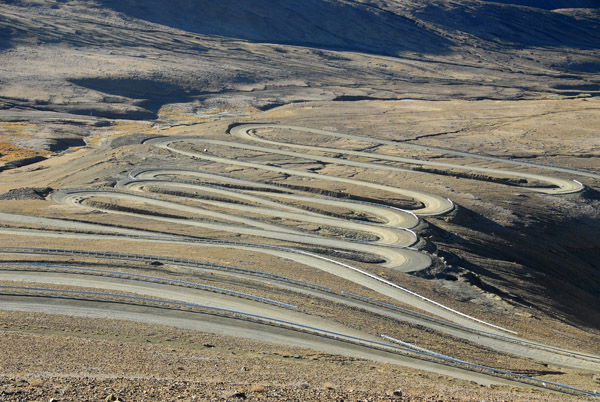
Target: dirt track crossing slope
x,y
219,203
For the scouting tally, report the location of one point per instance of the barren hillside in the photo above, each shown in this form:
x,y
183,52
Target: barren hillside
x,y
305,200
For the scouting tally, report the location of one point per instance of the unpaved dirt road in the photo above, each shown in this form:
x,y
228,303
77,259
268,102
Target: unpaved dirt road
x,y
393,238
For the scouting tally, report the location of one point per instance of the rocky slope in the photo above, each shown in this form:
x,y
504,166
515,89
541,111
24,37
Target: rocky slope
x,y
126,59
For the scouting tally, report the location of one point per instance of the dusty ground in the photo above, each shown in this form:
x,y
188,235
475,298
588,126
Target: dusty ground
x,y
141,362
484,288
452,75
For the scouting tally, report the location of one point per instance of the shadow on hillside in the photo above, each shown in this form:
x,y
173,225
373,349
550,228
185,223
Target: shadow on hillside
x,y
315,23
551,4
4,38
135,88
555,261
151,94
518,27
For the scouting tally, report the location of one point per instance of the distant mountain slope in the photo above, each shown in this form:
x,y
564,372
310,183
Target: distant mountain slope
x,y
551,4
338,24
388,27
127,58
5,35
513,26
380,26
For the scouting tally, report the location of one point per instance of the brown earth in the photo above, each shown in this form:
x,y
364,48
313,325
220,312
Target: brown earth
x,y
490,78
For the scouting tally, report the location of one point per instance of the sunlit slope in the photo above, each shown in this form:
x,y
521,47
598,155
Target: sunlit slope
x,y
127,58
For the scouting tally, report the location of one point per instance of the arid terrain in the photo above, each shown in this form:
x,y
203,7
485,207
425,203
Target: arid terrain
x,y
317,201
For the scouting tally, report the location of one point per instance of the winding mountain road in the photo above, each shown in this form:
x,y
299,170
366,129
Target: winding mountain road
x,y
563,186
216,202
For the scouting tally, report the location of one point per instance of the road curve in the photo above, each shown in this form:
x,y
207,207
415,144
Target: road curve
x,y
273,328
504,343
232,209
398,258
370,281
181,294
227,326
432,204
385,235
394,217
563,186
